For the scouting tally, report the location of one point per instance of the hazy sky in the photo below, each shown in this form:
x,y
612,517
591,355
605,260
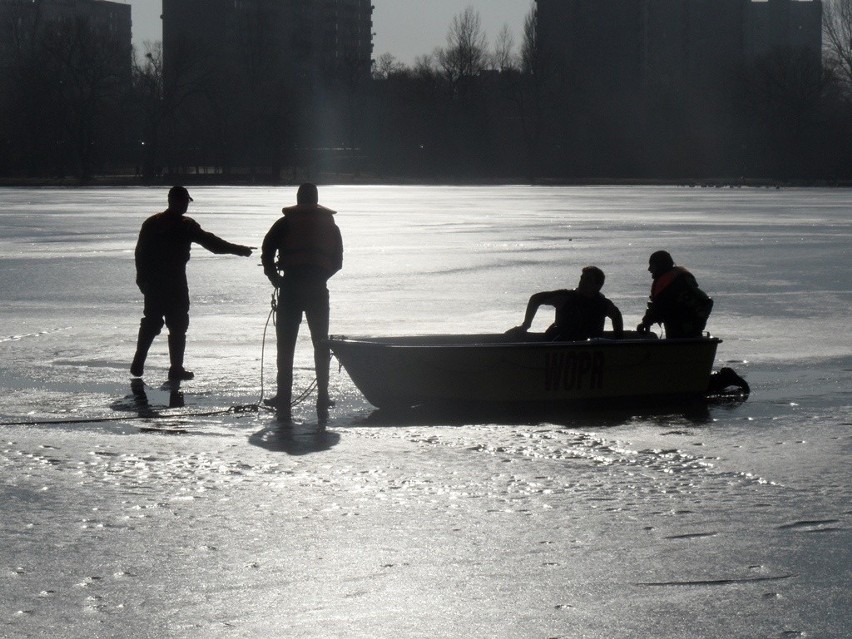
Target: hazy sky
x,y
405,28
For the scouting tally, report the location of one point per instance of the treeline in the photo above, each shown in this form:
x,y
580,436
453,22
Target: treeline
x,y
468,110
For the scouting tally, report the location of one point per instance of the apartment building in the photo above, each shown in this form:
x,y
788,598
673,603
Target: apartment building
x,y
632,43
292,39
22,22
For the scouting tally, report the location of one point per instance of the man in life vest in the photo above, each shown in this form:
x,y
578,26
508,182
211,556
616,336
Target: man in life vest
x,y
161,256
676,301
580,313
300,253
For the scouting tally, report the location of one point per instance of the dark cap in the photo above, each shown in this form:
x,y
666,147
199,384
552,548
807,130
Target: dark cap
x,y
661,258
179,193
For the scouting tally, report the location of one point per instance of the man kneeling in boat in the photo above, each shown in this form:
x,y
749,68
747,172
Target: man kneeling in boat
x,y
580,313
676,302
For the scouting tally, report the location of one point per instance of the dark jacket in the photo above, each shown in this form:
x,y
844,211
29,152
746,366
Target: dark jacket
x,y
579,317
162,250
678,304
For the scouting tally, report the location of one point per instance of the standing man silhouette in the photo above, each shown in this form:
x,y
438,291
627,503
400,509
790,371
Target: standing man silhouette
x,y
300,253
161,256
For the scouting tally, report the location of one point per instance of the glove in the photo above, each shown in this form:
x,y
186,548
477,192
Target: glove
x,y
244,251
642,328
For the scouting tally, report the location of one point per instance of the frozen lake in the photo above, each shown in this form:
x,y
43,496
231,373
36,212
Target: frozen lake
x,y
121,518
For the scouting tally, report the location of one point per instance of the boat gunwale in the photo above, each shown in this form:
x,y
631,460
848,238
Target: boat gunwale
x,y
387,342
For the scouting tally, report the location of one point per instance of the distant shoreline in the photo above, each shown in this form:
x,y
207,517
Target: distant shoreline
x,y
367,180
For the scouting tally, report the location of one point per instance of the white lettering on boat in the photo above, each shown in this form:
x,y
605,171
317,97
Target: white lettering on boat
x,y
575,370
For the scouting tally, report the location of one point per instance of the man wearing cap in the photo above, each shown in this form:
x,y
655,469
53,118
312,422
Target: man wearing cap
x,y
676,301
300,253
161,256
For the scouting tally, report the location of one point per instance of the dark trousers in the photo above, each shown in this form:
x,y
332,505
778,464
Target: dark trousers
x,y
295,299
169,306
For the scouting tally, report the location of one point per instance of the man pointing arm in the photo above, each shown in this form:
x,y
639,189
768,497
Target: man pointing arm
x,y
162,252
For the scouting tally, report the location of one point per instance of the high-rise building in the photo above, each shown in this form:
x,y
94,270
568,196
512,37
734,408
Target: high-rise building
x,y
595,44
691,42
282,39
65,74
624,43
651,87
792,24
254,82
23,21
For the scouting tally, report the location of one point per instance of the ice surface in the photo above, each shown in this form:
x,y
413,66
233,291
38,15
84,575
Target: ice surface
x,y
731,520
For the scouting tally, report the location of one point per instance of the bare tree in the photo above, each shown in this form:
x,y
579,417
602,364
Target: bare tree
x,y
385,66
837,39
466,55
158,97
503,58
149,101
425,65
530,50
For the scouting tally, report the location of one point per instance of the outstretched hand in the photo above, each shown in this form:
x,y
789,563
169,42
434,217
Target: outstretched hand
x,y
245,251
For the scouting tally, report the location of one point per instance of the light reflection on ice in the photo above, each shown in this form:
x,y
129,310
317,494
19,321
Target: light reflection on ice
x,y
417,527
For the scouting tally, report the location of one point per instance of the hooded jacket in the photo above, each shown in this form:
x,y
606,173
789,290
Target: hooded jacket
x,y
305,240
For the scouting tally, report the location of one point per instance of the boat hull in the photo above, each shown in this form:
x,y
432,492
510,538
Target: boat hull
x,y
395,372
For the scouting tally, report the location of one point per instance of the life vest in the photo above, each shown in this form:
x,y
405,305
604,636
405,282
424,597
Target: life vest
x,y
311,238
679,304
665,280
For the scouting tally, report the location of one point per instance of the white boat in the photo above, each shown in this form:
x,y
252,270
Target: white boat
x,y
397,372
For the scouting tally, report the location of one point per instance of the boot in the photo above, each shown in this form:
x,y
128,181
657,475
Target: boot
x,y
282,401
277,402
283,413
177,346
324,401
143,343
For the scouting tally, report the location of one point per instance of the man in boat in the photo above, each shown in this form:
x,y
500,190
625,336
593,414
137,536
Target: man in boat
x,y
162,252
580,313
300,253
676,301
